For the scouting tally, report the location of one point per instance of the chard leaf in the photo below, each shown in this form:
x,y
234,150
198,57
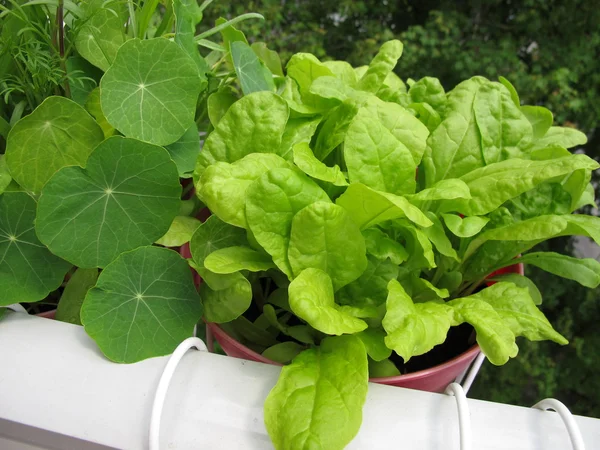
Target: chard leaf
x,y
368,207
181,231
311,299
413,329
541,119
382,247
271,203
283,352
492,185
318,399
464,227
69,306
56,134
523,282
252,74
323,236
209,237
561,136
28,271
144,98
101,33
185,150
304,69
382,369
429,91
373,338
437,235
427,115
297,131
186,12
223,186
229,303
218,104
418,246
126,197
335,127
512,91
233,259
382,64
443,190
253,124
344,71
586,271
306,161
143,305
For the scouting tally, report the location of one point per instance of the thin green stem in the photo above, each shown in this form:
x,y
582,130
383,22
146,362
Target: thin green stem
x,y
132,17
231,22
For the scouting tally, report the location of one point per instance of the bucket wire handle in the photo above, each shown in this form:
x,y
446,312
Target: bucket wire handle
x,y
464,415
567,418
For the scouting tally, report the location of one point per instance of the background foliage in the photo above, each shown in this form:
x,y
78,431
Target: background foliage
x,y
548,49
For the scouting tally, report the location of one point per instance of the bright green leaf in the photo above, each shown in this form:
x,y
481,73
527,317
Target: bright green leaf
x,y
181,231
585,271
69,306
229,303
300,130
185,27
269,57
541,119
382,369
305,160
252,74
521,281
217,105
437,235
184,151
373,338
92,105
382,64
464,226
233,259
284,352
381,246
561,136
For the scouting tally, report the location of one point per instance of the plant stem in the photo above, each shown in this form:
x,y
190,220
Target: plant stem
x,y
132,17
60,28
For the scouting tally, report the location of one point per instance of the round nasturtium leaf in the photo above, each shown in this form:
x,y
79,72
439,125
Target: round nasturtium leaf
x,y
143,305
28,271
56,134
126,197
150,91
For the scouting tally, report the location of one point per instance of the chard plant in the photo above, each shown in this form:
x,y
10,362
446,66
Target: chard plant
x,y
354,218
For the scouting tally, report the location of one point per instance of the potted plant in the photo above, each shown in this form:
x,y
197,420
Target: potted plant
x,y
326,246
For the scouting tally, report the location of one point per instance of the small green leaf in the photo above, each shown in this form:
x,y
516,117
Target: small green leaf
x,y
413,329
373,338
223,186
304,69
252,74
185,150
229,303
318,399
561,136
586,271
144,98
521,281
381,246
418,246
323,236
464,227
269,57
217,105
56,134
126,197
253,124
28,271
284,352
299,130
368,207
382,64
437,235
443,190
429,90
541,119
511,89
181,231
382,369
5,177
311,299
427,115
92,105
69,306
272,201
305,160
144,304
186,15
233,259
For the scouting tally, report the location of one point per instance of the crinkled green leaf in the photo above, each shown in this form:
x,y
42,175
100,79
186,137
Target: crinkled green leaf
x,y
181,231
69,306
233,259
143,305
303,69
430,91
585,271
382,64
426,114
368,207
229,303
271,203
218,104
511,89
305,159
223,186
253,124
127,196
521,281
344,71
300,130
442,190
323,236
382,247
382,369
492,185
101,34
334,129
185,150
413,329
464,227
318,399
283,352
562,136
541,119
56,134
311,299
28,271
373,338
252,74
544,199
143,96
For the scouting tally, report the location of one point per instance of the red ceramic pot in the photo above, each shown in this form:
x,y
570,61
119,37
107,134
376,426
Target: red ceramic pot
x,y
434,379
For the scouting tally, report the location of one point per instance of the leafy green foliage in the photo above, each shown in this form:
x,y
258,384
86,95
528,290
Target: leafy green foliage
x,y
69,307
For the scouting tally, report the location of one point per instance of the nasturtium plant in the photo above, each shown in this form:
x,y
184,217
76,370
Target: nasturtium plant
x,y
356,223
